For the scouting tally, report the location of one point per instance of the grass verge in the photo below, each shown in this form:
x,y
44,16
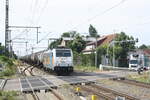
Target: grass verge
x,y
145,77
86,68
10,95
9,68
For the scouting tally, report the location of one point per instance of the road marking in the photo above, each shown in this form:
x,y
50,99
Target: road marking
x,y
2,84
82,98
20,84
19,70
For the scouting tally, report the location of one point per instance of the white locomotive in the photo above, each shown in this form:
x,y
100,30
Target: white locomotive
x,y
59,60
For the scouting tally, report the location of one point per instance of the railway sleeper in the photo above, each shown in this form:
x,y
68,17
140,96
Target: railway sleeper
x,y
83,83
118,78
54,87
30,91
47,90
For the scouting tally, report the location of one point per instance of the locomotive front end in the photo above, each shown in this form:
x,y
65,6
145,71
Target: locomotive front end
x,y
63,61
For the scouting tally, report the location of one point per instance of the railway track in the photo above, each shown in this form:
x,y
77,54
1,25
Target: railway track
x,y
34,95
132,82
106,93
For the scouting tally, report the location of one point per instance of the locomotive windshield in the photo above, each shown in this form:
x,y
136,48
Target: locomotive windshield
x,y
133,62
63,53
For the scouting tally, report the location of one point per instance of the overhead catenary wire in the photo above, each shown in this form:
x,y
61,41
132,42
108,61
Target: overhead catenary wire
x,y
33,10
38,10
30,10
101,13
44,37
42,11
24,31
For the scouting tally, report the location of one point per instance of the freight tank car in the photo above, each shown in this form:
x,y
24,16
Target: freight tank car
x,y
59,60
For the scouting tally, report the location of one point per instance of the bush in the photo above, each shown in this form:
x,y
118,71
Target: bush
x,y
84,60
7,72
86,68
5,60
8,95
9,67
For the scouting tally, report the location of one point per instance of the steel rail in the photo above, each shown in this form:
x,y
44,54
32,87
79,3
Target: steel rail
x,y
98,93
27,68
52,91
117,93
132,82
34,95
56,95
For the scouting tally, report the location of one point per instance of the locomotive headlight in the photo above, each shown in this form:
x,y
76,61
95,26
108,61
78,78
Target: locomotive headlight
x,y
57,64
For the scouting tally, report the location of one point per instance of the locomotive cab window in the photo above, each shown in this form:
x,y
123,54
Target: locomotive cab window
x,y
63,53
51,54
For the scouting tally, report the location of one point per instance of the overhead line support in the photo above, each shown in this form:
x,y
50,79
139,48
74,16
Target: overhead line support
x,y
37,29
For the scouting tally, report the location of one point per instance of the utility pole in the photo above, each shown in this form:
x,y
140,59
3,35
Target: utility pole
x,y
114,49
37,34
113,54
96,52
7,26
9,41
26,47
32,50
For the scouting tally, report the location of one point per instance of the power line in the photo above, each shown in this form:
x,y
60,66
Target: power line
x,y
30,27
25,30
42,10
33,10
102,13
30,10
44,37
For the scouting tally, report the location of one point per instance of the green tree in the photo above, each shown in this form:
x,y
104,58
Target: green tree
x,y
54,44
122,48
78,44
66,34
143,46
2,49
4,52
92,31
70,34
101,51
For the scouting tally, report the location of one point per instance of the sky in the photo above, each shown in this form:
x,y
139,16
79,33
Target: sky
x,y
58,16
